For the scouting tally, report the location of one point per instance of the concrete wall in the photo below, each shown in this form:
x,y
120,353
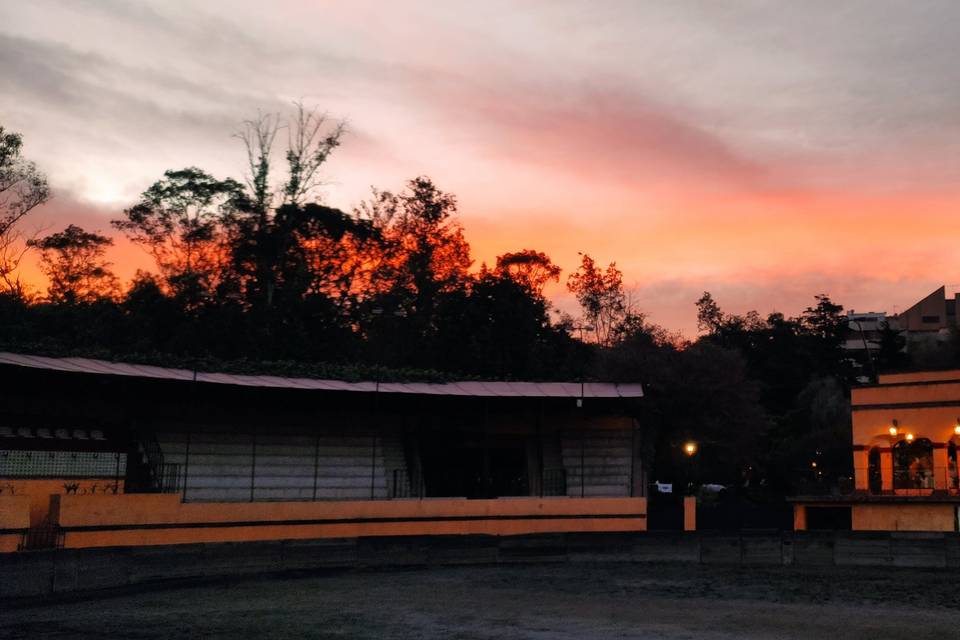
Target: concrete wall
x,y
38,491
904,517
14,521
157,519
50,573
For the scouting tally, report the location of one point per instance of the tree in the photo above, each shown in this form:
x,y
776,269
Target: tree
x,y
601,297
73,262
423,249
276,224
184,222
22,188
710,318
530,269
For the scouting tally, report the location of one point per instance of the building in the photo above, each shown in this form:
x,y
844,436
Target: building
x,y
906,430
864,339
96,453
929,326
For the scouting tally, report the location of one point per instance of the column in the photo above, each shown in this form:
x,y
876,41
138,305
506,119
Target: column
x,y
886,470
690,513
940,467
799,517
861,472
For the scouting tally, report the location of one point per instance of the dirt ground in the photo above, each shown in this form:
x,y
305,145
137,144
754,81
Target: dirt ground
x,y
533,601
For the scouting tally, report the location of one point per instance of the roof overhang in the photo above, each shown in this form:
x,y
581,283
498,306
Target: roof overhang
x,y
464,388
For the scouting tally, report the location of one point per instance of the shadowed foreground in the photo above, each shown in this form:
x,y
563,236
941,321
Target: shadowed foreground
x,y
535,601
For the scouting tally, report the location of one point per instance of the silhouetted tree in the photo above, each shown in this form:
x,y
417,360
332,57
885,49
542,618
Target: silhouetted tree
x,y
601,297
184,221
276,224
422,252
22,188
73,261
531,269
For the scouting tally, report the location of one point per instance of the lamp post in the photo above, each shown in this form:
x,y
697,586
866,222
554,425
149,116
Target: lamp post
x,y
866,347
690,450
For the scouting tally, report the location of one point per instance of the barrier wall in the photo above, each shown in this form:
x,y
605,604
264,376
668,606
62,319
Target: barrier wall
x,y
39,490
162,519
14,521
40,574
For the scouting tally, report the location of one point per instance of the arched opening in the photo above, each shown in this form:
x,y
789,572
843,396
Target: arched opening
x,y
874,476
913,464
952,477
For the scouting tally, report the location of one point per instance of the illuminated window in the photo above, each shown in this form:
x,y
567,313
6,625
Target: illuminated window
x,y
913,464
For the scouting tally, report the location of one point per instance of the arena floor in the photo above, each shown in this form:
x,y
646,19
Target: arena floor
x,y
534,601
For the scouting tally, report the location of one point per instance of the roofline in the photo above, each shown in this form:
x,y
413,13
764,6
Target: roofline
x,y
461,388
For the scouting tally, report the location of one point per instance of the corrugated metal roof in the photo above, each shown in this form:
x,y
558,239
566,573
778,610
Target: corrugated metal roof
x,y
465,388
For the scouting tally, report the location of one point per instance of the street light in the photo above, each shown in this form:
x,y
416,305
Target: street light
x,y
690,448
866,347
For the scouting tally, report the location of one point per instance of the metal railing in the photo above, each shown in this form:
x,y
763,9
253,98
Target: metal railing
x,y
43,536
554,482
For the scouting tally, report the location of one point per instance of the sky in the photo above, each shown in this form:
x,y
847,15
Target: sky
x,y
763,151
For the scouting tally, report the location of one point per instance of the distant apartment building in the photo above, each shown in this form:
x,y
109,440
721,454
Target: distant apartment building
x,y
864,330
863,340
932,318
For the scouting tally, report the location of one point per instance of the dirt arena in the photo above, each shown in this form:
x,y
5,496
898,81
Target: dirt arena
x,y
533,601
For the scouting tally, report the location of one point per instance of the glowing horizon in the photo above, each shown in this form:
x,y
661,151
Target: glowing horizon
x,y
766,152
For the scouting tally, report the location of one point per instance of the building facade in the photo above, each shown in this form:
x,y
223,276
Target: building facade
x,y
102,454
906,431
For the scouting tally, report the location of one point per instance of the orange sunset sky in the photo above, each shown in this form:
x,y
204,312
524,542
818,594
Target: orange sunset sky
x,y
764,151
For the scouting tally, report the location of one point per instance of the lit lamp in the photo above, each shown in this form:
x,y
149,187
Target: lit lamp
x,y
956,428
690,448
894,428
909,437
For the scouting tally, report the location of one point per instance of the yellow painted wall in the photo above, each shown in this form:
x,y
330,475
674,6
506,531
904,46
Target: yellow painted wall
x,y
904,517
39,491
939,392
385,518
14,518
919,376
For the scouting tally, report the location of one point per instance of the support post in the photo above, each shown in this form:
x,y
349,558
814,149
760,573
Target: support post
x,y
373,466
799,517
690,513
186,464
540,445
940,467
316,465
886,470
861,469
583,455
253,464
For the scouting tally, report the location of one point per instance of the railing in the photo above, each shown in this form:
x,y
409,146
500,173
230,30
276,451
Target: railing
x,y
554,482
163,477
43,536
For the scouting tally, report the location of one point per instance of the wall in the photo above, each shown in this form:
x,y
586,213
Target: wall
x,y
14,521
38,491
51,573
156,519
904,517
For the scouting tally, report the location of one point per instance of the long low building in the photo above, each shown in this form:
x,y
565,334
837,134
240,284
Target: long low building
x,y
97,453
